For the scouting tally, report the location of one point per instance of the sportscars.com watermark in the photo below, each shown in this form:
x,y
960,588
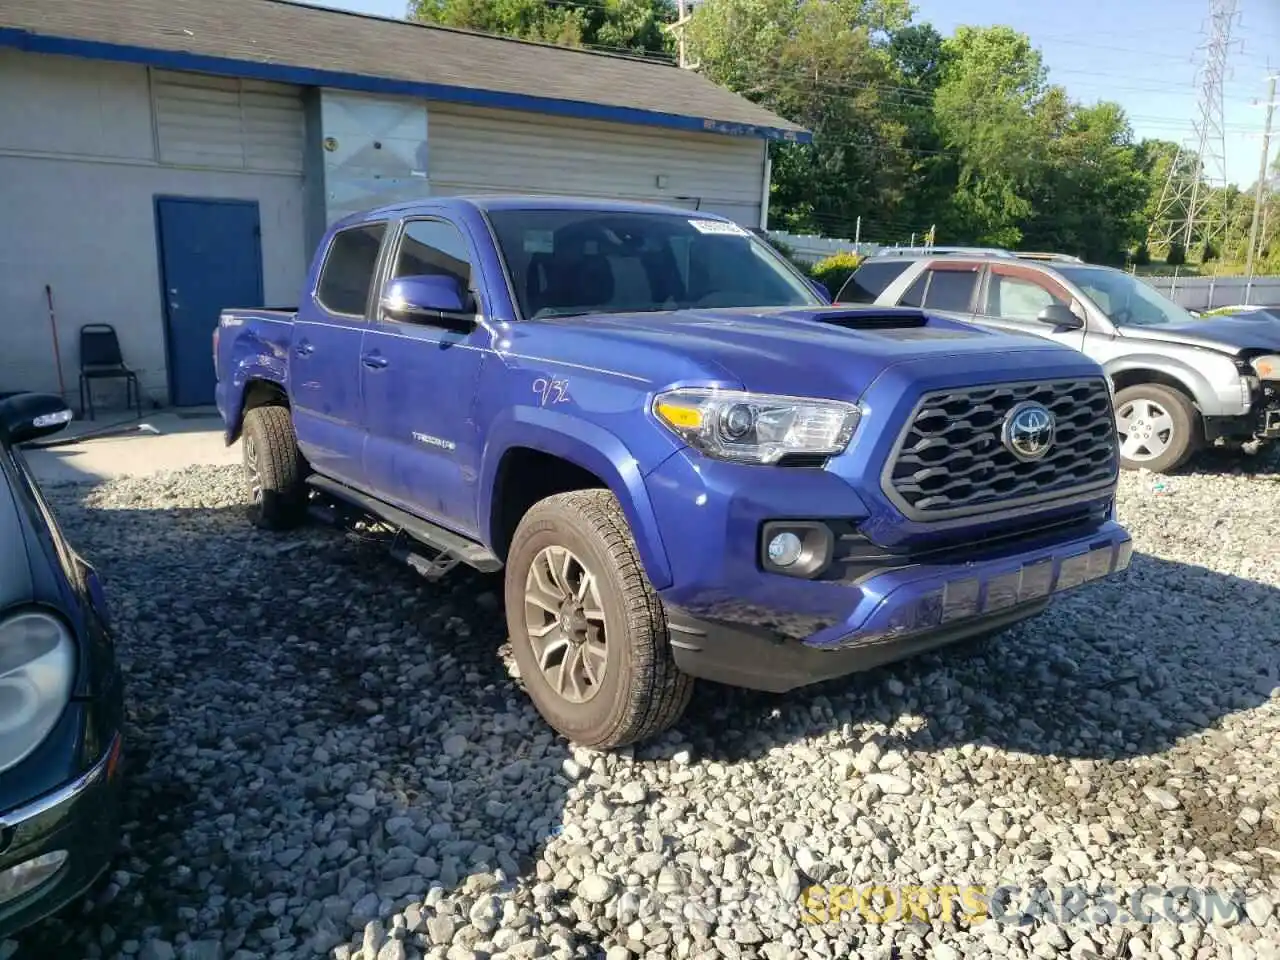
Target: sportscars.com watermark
x,y
1019,906
673,903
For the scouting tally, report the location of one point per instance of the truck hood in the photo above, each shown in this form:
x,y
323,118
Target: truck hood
x,y
1233,334
821,351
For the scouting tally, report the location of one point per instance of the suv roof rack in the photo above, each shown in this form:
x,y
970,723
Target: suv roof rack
x,y
942,251
1055,257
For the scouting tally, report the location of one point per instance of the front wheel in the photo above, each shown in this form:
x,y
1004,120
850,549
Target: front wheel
x,y
587,628
1157,426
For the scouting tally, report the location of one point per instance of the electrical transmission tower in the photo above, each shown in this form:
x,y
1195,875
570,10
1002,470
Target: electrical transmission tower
x,y
1183,214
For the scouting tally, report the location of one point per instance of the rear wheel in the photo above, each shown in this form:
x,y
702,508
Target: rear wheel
x,y
1158,427
587,628
274,469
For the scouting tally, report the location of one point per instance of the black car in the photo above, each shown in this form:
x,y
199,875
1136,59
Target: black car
x,y
61,699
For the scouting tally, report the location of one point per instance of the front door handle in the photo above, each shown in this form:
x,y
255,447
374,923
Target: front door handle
x,y
306,348
374,360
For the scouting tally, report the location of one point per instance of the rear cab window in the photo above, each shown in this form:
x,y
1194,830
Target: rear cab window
x,y
870,280
349,265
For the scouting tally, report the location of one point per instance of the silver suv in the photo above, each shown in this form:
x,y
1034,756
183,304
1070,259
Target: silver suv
x,y
1180,382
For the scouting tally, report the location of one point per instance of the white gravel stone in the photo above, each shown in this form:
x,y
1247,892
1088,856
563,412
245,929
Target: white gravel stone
x,y
326,744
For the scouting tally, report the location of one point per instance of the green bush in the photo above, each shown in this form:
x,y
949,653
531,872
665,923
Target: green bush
x,y
833,271
1142,256
1177,255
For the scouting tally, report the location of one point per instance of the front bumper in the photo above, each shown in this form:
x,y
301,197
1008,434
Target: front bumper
x,y
892,615
82,819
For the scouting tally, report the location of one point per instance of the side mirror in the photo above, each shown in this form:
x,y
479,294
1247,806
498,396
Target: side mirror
x,y
822,289
30,416
426,299
1057,315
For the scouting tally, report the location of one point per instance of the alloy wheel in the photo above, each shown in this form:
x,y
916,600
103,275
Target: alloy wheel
x,y
564,620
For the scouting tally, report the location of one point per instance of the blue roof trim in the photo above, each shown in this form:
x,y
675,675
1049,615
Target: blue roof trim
x,y
310,77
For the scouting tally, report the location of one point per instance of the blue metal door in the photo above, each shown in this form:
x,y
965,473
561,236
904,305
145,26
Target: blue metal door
x,y
210,258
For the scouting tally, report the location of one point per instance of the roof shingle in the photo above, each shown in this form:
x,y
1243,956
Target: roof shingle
x,y
290,41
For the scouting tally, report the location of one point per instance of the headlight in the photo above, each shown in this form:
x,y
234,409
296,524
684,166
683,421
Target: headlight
x,y
37,667
754,427
1267,368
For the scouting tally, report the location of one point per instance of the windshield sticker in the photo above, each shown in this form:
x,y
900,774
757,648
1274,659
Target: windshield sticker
x,y
717,226
539,241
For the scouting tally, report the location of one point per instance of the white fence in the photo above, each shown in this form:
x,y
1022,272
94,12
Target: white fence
x,y
809,248
1205,293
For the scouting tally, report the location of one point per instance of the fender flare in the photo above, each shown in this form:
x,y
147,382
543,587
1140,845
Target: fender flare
x,y
585,445
249,371
1195,384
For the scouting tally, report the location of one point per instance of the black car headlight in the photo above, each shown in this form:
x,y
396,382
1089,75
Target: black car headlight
x,y
756,428
37,669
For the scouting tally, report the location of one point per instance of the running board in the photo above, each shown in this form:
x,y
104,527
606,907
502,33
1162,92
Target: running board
x,y
449,544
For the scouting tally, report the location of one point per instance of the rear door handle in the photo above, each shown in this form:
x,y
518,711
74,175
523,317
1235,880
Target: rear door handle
x,y
374,360
306,348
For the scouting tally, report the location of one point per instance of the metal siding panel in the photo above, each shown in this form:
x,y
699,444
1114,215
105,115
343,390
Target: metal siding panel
x,y
228,123
379,151
53,232
71,107
498,151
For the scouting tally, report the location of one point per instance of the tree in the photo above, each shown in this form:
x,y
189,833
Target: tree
x,y
822,64
992,80
1089,194
634,25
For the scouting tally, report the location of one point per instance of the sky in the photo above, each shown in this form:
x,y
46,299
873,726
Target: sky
x,y
1142,54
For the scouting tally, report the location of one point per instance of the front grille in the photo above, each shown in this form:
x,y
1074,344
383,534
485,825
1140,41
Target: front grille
x,y
951,460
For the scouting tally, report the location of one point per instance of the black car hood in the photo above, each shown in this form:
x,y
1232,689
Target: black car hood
x,y
1255,330
16,584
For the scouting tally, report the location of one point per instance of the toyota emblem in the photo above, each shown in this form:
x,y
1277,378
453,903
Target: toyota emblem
x,y
1028,431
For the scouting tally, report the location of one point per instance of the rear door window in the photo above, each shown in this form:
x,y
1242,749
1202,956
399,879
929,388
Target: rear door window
x,y
870,280
951,289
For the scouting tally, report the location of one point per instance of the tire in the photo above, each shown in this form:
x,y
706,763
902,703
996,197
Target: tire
x,y
641,691
1154,406
274,469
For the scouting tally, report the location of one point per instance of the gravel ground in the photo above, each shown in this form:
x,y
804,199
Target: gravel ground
x,y
331,758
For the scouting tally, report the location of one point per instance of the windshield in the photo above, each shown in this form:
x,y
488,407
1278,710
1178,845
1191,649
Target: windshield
x,y
1126,300
571,262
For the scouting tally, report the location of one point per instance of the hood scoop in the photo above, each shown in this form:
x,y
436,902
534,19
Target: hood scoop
x,y
871,319
895,323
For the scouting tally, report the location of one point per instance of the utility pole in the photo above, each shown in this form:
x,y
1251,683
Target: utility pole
x,y
680,33
683,14
1263,179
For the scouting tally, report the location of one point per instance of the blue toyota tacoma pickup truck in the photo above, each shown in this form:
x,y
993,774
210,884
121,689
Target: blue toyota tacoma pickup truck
x,y
685,460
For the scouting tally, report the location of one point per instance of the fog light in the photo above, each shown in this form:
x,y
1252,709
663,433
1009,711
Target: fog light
x,y
785,549
795,548
29,874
